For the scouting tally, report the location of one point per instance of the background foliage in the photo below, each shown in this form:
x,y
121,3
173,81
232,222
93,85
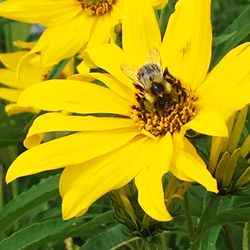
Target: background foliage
x,y
30,215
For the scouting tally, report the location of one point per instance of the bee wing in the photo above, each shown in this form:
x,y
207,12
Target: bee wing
x,y
154,57
130,71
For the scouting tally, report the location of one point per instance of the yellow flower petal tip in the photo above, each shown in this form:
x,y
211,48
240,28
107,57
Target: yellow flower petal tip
x,y
10,176
69,211
212,187
159,4
66,215
163,217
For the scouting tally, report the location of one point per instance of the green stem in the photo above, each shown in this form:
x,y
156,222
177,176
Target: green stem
x,y
163,242
170,190
205,217
14,188
193,244
245,236
1,186
12,154
229,237
146,221
8,37
149,245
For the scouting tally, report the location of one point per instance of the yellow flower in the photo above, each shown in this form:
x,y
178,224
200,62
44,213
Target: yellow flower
x,y
146,137
71,24
30,73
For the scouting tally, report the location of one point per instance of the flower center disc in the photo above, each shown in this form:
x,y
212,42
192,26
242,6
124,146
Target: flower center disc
x,y
97,7
165,113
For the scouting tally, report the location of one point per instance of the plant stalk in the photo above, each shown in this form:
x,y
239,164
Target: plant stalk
x,y
194,245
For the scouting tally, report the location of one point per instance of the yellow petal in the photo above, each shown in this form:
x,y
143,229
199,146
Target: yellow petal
x,y
159,4
186,48
29,70
68,69
13,109
9,78
140,30
45,12
114,84
82,68
149,180
101,31
68,150
83,184
9,94
187,165
24,45
10,60
227,86
73,96
110,58
63,41
103,26
208,122
52,122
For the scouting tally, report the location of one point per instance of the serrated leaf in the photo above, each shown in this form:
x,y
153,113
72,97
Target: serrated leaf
x,y
106,240
23,203
94,226
38,234
222,39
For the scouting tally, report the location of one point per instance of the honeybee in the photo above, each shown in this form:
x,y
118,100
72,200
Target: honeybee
x,y
154,91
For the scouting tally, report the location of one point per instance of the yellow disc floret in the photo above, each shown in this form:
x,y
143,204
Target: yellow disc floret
x,y
166,114
97,7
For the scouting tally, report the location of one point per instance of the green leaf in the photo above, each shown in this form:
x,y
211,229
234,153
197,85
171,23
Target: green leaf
x,y
107,240
57,69
231,216
232,36
94,226
222,39
15,31
11,134
3,115
23,203
210,238
38,234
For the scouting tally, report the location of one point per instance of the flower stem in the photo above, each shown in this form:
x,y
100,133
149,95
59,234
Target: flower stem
x,y
163,242
170,190
245,236
230,237
213,202
149,245
1,186
193,244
